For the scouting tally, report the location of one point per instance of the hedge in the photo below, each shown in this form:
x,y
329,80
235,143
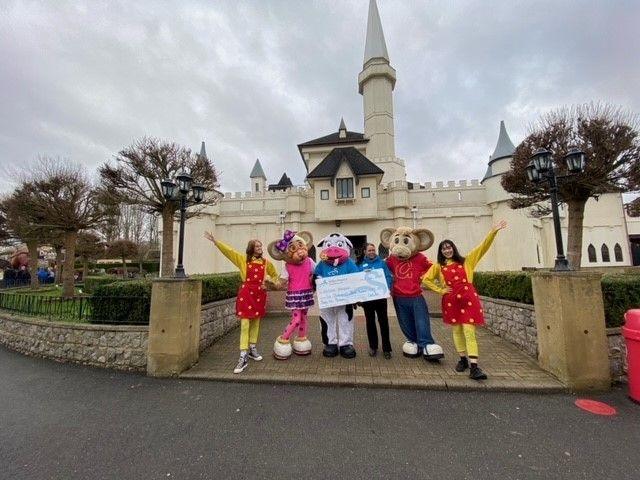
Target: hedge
x,y
620,292
514,286
128,301
90,283
148,267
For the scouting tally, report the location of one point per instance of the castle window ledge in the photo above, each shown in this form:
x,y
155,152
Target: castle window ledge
x,y
345,200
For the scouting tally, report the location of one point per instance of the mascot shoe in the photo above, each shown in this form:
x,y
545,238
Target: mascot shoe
x,y
433,352
282,349
302,346
410,349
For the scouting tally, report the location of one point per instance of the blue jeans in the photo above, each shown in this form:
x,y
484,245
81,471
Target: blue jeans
x,y
413,317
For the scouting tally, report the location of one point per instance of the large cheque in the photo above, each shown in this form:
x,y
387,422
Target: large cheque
x,y
351,288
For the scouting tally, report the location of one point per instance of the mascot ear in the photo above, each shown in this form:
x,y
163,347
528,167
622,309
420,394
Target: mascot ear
x,y
385,236
307,237
274,252
425,238
348,242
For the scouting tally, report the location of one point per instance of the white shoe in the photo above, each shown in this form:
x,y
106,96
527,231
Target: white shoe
x,y
282,349
433,352
302,346
253,353
410,349
242,363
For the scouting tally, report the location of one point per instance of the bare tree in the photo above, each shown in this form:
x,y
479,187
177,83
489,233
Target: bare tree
x,y
65,196
609,138
136,176
123,249
89,247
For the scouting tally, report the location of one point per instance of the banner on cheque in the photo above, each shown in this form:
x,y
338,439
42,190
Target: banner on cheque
x,y
351,288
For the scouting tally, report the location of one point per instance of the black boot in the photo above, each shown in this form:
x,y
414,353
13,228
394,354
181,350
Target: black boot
x,y
476,373
462,364
347,351
330,350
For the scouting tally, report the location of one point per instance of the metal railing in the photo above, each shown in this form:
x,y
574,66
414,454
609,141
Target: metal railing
x,y
81,309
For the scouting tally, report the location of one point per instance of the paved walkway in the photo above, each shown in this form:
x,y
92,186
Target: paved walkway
x,y
507,367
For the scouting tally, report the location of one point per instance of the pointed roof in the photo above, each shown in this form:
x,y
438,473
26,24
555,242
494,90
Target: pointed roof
x,y
504,147
375,46
358,163
203,152
342,125
257,171
283,184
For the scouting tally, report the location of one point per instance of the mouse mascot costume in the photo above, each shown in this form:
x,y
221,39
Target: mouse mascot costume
x,y
334,256
408,266
293,249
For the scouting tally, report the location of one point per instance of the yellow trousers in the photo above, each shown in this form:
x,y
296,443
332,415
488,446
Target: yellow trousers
x,y
464,338
249,331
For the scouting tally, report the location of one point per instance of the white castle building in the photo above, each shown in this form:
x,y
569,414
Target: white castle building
x,y
357,185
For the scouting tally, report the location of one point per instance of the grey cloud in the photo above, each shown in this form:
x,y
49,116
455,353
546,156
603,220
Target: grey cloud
x,y
255,78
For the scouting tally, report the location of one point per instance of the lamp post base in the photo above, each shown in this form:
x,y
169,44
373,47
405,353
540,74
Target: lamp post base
x,y
179,272
562,265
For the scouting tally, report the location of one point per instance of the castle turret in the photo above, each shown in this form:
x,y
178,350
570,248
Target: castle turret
x,y
376,83
258,178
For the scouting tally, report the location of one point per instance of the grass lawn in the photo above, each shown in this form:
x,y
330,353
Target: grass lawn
x,y
46,302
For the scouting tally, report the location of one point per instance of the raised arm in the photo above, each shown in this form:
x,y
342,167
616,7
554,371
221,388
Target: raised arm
x,y
235,257
474,256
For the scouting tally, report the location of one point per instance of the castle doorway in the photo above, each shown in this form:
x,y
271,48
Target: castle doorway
x,y
359,243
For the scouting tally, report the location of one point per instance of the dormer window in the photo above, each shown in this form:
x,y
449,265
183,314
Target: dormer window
x,y
344,188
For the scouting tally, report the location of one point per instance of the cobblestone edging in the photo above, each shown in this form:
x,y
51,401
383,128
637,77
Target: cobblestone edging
x,y
516,323
121,347
217,318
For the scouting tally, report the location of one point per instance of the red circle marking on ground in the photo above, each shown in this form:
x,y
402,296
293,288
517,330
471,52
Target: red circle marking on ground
x,y
595,407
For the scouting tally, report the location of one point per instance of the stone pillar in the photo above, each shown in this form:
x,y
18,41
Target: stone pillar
x,y
174,326
572,339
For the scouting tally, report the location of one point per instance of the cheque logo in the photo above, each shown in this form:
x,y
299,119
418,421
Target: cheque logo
x,y
374,284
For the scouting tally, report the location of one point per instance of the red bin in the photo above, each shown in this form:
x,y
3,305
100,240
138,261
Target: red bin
x,y
631,334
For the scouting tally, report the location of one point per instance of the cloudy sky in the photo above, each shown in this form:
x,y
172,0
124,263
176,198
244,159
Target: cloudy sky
x,y
254,78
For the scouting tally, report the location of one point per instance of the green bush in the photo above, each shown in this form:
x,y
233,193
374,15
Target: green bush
x,y
149,267
128,301
125,302
219,286
514,286
620,292
90,283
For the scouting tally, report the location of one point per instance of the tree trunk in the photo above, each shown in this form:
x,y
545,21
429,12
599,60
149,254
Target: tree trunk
x,y
70,239
58,272
85,269
574,236
32,246
167,264
124,267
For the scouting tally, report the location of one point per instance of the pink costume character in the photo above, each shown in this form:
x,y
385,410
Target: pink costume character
x,y
293,249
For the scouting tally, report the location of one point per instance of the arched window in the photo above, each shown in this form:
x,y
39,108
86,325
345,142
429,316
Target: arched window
x,y
383,251
605,253
617,252
591,251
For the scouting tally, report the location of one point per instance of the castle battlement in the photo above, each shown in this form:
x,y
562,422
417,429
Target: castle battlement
x,y
450,184
268,194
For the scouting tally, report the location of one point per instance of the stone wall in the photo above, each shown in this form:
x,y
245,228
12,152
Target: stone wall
x,y
120,347
516,323
216,319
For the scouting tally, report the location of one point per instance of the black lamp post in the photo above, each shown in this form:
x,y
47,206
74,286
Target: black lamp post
x,y
183,185
541,168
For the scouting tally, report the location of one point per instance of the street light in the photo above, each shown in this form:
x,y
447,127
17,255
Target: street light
x,y
180,189
541,168
414,214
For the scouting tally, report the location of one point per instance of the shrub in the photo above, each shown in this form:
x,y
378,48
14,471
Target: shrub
x,y
90,283
620,293
514,286
126,302
219,286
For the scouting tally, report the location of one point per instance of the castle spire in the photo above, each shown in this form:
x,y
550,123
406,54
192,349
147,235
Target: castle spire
x,y
257,171
203,152
375,46
504,147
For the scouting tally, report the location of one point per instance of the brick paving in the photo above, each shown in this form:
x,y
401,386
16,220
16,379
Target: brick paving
x,y
507,367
